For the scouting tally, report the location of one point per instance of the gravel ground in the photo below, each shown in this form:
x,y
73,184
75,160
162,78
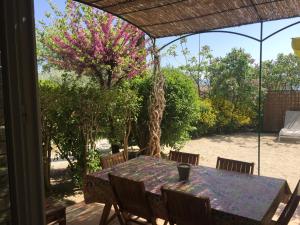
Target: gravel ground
x,y
281,160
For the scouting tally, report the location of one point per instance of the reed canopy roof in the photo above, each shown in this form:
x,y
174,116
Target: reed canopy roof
x,y
162,18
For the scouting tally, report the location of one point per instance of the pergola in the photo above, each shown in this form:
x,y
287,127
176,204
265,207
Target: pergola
x,y
165,18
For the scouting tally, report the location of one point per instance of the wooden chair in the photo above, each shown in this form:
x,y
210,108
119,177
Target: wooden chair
x,y
184,157
112,160
290,208
186,209
109,161
234,165
132,200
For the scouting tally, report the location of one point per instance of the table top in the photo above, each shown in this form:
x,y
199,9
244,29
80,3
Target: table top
x,y
247,196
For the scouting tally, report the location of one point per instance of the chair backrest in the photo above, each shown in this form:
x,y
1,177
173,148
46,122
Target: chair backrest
x,y
292,120
113,159
186,209
184,157
290,208
131,196
234,165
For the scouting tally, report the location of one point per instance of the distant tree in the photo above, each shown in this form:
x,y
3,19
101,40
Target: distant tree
x,y
195,66
283,73
91,42
233,89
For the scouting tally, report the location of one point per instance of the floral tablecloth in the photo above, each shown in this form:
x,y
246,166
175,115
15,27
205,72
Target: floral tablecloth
x,y
235,198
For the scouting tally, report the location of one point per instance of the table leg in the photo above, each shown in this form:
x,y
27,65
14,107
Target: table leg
x,y
118,213
105,213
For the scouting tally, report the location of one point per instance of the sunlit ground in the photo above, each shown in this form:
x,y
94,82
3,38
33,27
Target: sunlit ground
x,y
279,160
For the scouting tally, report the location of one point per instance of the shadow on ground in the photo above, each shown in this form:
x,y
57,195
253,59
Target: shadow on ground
x,y
82,214
62,187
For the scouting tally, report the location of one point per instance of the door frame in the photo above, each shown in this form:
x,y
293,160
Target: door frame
x,y
22,112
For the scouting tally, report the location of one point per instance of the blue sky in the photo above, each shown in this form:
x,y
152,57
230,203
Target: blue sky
x,y
220,43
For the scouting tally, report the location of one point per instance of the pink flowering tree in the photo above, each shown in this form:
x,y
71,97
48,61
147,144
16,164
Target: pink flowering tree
x,y
90,42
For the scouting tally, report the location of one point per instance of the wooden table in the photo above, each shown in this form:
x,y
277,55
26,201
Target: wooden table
x,y
236,198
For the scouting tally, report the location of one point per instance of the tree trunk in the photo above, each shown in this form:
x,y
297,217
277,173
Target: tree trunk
x,y
199,89
84,155
115,148
126,137
157,106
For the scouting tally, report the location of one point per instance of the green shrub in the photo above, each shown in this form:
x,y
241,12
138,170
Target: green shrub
x,y
75,108
207,119
233,91
230,117
182,108
76,112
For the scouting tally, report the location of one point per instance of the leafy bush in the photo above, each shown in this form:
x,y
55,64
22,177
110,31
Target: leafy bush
x,y
233,91
122,108
182,108
49,102
76,112
229,117
75,115
207,119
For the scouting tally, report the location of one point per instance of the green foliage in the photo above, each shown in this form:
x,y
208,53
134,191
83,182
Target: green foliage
x,y
229,116
122,109
196,66
282,73
182,108
76,112
233,90
207,119
142,85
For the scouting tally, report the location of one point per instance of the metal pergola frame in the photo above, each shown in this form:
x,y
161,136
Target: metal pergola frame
x,y
260,40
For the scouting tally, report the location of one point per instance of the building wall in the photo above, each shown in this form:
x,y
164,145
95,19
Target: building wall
x,y
4,187
275,106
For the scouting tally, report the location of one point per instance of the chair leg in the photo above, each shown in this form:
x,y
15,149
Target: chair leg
x,y
105,214
126,218
153,221
63,222
118,213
